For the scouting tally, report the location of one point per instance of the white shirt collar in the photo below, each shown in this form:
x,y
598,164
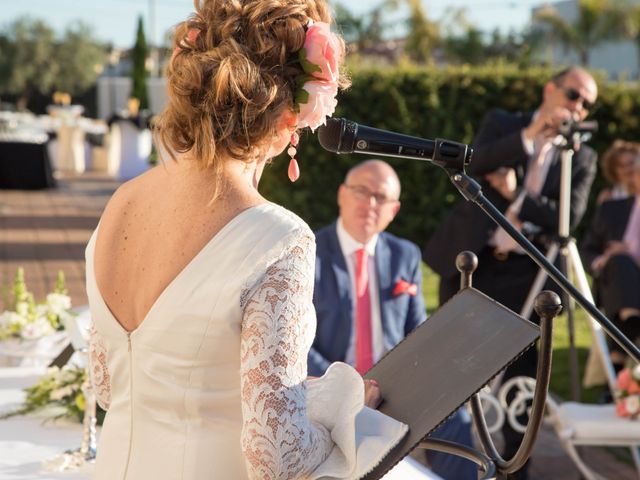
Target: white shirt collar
x,y
349,245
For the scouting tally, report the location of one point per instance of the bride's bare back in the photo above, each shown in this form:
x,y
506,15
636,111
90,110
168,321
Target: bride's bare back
x,y
151,229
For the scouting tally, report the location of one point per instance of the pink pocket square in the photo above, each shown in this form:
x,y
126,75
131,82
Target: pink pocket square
x,y
403,286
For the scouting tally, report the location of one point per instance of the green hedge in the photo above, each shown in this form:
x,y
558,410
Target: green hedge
x,y
428,102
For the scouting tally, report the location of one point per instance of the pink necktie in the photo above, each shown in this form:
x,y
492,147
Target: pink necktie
x,y
364,349
632,232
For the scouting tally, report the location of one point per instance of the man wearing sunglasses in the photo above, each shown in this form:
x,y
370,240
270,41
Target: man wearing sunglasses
x,y
518,163
368,292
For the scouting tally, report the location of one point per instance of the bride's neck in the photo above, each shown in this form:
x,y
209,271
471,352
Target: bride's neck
x,y
237,178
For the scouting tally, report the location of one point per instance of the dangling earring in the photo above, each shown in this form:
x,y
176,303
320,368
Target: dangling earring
x,y
294,169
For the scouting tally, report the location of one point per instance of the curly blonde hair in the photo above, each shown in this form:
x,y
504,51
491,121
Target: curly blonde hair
x,y
612,155
233,71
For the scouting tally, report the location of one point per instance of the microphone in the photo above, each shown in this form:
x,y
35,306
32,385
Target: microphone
x,y
340,135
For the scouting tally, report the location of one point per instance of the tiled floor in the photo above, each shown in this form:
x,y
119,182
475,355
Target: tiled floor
x,y
46,231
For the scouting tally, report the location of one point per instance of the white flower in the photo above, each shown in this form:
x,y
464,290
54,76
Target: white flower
x,y
635,373
41,310
39,328
9,319
22,309
632,404
58,303
60,393
67,376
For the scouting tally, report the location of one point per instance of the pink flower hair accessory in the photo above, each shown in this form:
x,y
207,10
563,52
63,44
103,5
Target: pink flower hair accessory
x,y
320,58
192,35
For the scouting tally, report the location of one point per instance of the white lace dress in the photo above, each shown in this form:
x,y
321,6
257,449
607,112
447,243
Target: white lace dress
x,y
212,383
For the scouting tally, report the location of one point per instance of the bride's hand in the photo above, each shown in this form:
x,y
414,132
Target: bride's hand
x,y
372,396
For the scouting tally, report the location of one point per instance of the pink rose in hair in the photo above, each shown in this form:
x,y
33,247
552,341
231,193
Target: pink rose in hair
x,y
317,101
322,52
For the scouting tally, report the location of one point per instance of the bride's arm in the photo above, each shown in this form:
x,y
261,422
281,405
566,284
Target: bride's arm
x,y
278,439
98,372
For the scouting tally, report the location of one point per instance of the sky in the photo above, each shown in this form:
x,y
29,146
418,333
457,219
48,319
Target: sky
x,y
114,21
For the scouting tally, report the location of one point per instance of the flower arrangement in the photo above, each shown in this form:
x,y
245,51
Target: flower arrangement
x,y
59,389
628,393
60,392
320,58
28,320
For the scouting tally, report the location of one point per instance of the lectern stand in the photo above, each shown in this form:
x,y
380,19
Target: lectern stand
x,y
450,357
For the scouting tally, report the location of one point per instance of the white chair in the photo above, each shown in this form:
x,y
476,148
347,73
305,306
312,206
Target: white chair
x,y
576,424
135,148
71,149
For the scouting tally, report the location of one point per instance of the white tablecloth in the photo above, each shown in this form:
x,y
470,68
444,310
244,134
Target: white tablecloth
x,y
26,442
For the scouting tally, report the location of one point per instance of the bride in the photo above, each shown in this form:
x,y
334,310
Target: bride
x,y
200,289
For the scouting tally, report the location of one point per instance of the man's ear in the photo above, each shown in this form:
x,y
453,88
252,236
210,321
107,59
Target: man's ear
x,y
548,89
396,208
340,194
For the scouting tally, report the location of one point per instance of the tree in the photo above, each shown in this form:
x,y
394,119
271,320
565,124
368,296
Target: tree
x,y
423,34
33,60
594,24
628,19
139,71
363,31
27,51
80,59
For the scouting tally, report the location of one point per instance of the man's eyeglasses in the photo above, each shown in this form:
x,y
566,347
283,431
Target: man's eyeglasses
x,y
573,95
364,194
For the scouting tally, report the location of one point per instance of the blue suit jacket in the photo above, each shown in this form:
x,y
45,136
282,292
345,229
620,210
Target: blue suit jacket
x,y
396,259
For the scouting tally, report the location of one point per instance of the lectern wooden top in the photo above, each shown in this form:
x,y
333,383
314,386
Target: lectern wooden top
x,y
444,361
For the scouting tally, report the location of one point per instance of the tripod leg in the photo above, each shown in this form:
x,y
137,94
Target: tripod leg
x,y
599,339
538,283
527,308
567,301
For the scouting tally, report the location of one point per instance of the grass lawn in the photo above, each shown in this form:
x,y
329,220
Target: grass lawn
x,y
560,375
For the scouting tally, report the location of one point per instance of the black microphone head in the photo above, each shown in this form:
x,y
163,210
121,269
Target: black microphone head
x,y
338,135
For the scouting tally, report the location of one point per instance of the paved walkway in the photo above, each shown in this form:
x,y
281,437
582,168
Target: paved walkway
x,y
46,231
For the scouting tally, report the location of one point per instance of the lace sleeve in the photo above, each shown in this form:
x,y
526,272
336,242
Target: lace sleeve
x,y
278,438
98,371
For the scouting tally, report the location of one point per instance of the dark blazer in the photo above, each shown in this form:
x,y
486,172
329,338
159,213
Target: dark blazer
x,y
608,224
396,259
499,144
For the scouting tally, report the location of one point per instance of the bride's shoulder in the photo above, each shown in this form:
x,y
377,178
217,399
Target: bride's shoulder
x,y
281,220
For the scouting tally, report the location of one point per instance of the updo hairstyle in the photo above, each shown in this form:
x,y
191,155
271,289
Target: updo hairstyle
x,y
232,73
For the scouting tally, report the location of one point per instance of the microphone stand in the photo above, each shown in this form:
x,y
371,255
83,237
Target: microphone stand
x,y
472,191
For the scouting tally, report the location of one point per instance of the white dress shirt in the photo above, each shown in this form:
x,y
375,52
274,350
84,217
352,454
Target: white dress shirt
x,y
499,238
349,246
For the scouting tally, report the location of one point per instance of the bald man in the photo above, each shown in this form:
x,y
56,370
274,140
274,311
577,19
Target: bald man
x,y
368,291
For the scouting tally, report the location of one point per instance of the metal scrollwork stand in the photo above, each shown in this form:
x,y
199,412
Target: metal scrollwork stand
x,y
490,462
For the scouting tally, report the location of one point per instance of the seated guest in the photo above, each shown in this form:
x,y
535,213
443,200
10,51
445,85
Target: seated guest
x,y
611,251
368,291
617,168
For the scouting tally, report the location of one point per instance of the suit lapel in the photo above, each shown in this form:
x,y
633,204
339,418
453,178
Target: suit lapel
x,y
343,289
383,271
